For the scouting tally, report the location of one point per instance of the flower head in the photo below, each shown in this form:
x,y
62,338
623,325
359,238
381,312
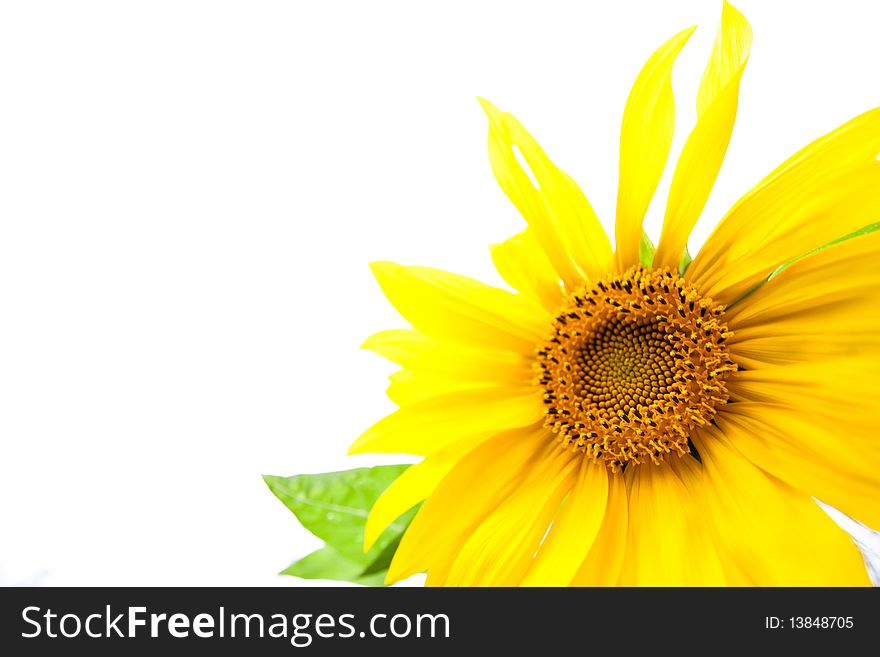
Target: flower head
x,y
630,416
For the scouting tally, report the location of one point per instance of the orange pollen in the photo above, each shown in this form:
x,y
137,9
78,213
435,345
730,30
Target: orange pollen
x,y
634,363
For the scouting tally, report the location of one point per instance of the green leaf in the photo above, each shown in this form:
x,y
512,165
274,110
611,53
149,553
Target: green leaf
x,y
685,261
646,250
864,230
334,506
327,563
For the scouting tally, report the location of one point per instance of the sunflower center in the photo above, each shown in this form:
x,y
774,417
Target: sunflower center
x,y
633,365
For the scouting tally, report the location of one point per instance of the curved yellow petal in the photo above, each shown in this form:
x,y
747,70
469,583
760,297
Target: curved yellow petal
x,y
471,490
432,367
828,189
430,424
704,149
414,485
731,48
574,529
523,264
501,549
562,219
407,388
604,562
448,306
645,140
425,357
775,535
669,543
401,346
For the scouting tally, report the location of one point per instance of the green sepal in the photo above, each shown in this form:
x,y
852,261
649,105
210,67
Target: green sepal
x,y
686,260
646,250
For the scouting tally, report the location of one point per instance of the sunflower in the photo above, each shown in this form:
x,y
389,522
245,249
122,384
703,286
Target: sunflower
x,y
630,416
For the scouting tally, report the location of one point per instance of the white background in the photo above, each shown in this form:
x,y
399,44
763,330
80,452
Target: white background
x,y
190,193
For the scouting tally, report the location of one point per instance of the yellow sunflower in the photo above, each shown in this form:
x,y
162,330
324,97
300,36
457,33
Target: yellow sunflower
x,y
631,416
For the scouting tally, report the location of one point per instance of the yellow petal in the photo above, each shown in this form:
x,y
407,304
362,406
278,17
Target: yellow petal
x,y
704,149
574,529
604,562
775,535
523,264
430,424
447,306
824,306
432,368
562,219
828,189
426,358
410,488
407,388
500,550
401,346
692,475
834,459
471,490
731,48
669,543
645,139
826,409
833,402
